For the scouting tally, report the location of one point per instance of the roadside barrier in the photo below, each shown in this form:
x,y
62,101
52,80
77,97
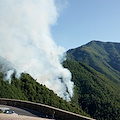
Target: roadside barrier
x,y
48,110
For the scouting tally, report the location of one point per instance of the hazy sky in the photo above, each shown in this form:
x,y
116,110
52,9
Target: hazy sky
x,y
84,20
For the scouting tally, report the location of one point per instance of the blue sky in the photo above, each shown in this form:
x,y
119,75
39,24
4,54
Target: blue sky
x,y
84,20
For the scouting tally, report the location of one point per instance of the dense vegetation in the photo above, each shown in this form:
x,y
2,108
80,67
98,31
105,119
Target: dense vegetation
x,y
102,56
95,69
97,89
97,94
26,88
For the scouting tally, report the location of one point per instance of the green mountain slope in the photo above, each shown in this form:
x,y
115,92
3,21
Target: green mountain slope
x,y
102,56
26,88
97,94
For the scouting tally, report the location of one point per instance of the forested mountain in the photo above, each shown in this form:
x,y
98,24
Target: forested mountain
x,y
94,92
102,56
95,69
26,88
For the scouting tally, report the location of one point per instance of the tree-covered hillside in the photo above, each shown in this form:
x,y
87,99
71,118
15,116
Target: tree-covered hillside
x,y
96,88
97,94
102,56
26,88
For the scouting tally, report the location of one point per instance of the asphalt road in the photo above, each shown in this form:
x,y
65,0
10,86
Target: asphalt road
x,y
26,112
19,117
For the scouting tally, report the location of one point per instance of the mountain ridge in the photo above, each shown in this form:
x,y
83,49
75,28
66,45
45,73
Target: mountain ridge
x,y
102,56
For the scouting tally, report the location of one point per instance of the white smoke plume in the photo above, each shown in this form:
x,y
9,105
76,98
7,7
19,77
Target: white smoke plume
x,y
7,68
26,42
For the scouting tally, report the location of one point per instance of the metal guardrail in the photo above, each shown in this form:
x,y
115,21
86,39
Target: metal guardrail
x,y
48,110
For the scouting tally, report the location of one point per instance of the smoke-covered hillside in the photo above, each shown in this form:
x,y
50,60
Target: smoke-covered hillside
x,y
26,42
26,88
94,92
27,46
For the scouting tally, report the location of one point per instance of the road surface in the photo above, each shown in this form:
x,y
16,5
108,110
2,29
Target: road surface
x,y
26,112
19,117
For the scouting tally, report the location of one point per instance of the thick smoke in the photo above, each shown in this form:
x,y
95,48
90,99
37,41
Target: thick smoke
x,y
26,42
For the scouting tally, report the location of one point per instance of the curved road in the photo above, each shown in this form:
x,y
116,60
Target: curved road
x,y
19,117
26,112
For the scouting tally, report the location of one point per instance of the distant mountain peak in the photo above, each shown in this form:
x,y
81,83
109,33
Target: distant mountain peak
x,y
102,56
101,42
